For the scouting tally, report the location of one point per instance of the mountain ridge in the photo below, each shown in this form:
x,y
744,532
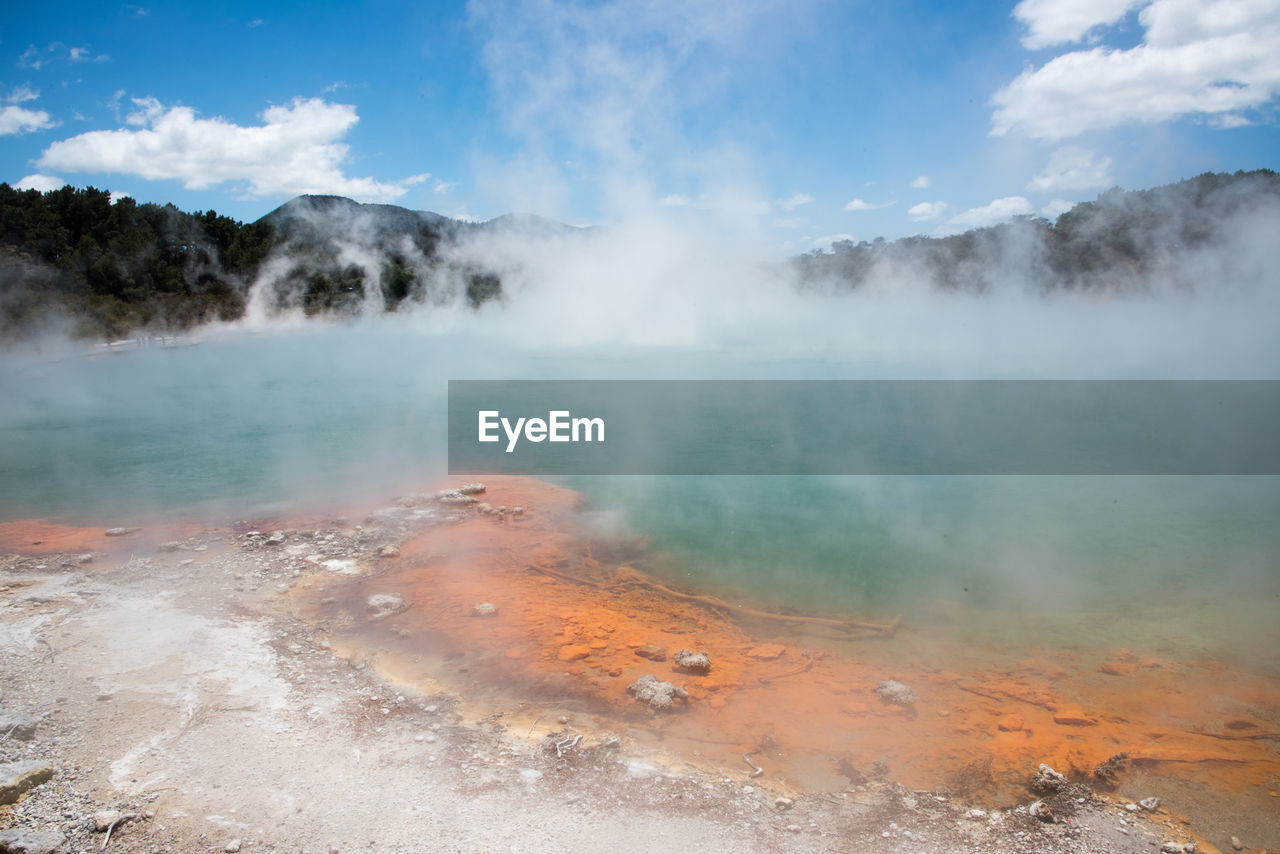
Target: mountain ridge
x,y
114,267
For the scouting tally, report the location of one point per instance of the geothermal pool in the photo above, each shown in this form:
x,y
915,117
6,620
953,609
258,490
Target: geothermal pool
x,y
1142,611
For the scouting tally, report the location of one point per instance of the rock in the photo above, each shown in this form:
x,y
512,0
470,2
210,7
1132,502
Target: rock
x,y
1149,804
1115,668
16,726
484,609
22,840
456,499
103,819
1171,848
87,557
120,532
471,489
574,652
18,778
766,652
892,691
653,652
1112,768
232,847
1073,717
690,660
783,803
1009,723
171,546
277,538
1236,843
1040,811
658,694
383,605
389,551
517,511
1047,780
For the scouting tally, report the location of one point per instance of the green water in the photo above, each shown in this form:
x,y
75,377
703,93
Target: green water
x,y
247,425
877,543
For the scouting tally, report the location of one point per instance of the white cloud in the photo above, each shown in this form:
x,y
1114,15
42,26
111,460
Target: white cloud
x,y
728,201
1214,59
921,182
1056,208
1051,22
795,201
34,57
296,150
990,214
860,205
443,187
15,119
1226,121
1072,168
614,87
43,183
825,241
117,195
926,210
20,94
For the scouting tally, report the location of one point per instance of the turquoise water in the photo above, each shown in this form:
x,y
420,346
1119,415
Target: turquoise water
x,y
246,425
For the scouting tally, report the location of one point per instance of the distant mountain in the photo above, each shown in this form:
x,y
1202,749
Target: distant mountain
x,y
1124,241
346,256
312,217
311,214
115,268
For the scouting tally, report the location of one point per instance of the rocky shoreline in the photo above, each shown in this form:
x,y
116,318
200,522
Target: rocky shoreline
x,y
181,701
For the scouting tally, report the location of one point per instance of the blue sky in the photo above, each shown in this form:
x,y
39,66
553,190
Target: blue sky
x,y
807,119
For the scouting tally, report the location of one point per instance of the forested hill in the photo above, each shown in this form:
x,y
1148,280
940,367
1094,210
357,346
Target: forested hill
x,y
1171,236
116,268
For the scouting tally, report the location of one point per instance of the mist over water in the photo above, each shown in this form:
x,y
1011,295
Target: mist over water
x,y
276,417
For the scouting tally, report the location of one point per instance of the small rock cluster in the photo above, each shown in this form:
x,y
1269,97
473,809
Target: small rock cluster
x,y
893,691
690,660
1046,780
656,693
382,605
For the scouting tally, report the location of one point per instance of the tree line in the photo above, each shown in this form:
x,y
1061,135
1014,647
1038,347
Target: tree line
x,y
1121,242
115,267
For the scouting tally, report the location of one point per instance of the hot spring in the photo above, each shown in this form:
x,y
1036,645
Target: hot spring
x,y
1094,580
